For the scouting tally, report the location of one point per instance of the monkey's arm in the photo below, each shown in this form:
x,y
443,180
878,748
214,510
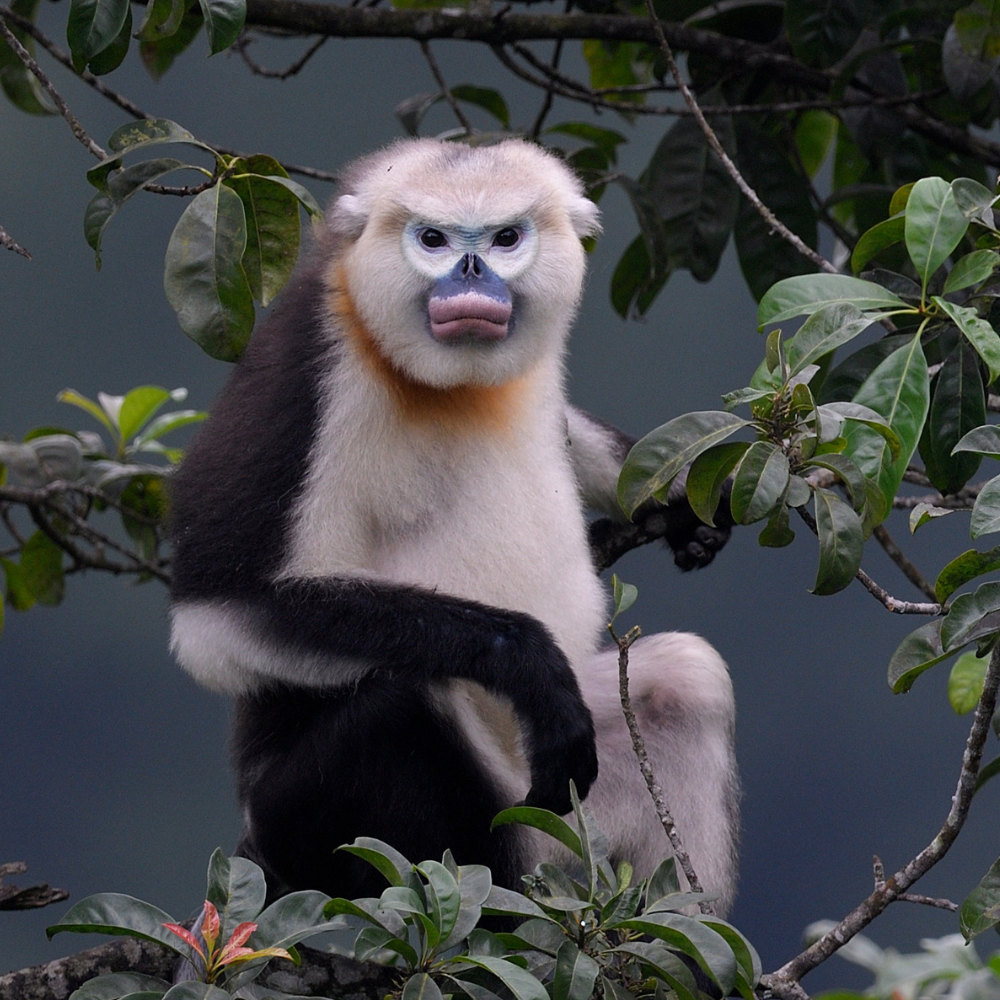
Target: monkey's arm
x,y
325,633
598,450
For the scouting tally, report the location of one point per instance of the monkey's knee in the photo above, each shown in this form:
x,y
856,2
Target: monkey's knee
x,y
679,675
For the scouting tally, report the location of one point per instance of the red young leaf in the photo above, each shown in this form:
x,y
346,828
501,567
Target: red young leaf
x,y
186,935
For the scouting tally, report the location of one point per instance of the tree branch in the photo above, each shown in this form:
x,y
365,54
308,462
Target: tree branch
x,y
896,554
29,63
646,768
30,898
785,982
7,242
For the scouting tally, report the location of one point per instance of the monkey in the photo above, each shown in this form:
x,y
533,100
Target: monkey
x,y
380,543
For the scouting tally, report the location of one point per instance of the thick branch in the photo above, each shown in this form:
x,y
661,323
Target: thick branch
x,y
31,897
785,981
319,974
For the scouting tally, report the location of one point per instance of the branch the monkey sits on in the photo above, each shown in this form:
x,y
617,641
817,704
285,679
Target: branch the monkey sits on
x,y
381,548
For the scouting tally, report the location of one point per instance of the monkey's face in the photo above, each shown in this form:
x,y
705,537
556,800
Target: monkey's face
x,y
467,267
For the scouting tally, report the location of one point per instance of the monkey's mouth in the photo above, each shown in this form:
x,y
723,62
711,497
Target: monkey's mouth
x,y
468,316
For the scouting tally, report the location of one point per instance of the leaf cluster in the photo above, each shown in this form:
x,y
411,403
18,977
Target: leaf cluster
x,y
234,912
584,928
857,423
237,241
65,476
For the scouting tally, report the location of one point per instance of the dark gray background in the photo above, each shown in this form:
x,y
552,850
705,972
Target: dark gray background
x,y
113,770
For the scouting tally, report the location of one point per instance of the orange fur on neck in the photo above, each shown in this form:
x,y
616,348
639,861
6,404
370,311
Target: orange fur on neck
x,y
460,408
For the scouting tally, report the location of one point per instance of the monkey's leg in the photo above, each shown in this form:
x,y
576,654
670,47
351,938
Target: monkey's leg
x,y
683,700
375,760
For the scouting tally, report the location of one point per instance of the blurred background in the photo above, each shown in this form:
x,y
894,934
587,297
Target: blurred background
x,y
113,764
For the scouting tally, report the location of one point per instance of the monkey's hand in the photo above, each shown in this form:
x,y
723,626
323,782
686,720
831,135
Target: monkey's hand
x,y
693,543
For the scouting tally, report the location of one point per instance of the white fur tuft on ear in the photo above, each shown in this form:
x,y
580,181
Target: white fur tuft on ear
x,y
349,215
585,216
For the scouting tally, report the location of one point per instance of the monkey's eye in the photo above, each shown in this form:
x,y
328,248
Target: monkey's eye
x,y
507,238
433,239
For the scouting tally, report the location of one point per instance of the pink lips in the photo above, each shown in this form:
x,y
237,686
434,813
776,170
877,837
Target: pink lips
x,y
468,316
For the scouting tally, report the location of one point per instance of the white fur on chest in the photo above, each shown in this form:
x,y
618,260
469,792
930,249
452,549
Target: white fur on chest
x,y
488,516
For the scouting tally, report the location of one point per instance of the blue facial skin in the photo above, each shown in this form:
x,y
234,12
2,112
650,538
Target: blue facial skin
x,y
472,274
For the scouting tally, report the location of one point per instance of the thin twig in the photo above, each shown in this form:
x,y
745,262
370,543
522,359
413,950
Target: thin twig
x,y
8,243
896,554
445,90
655,791
893,604
774,224
543,111
29,63
786,981
245,40
130,107
910,897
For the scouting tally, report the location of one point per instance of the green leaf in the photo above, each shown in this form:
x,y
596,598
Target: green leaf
x,y
192,990
965,683
692,938
821,32
92,26
764,256
443,897
605,139
981,909
114,913
507,903
898,390
168,422
658,457
114,985
138,407
635,283
694,198
486,98
964,568
223,21
522,984
986,510
159,55
612,64
924,513
935,225
841,542
875,240
575,975
288,920
304,195
420,987
118,188
759,482
964,621
777,533
162,19
272,220
133,136
707,475
541,819
985,440
815,134
987,773
958,405
919,651
848,473
822,332
236,889
972,269
625,595
19,595
844,380
979,333
203,277
393,866
806,294
18,82
41,570
974,200
113,54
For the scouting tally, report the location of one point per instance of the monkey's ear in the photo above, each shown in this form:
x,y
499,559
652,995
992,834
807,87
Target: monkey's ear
x,y
349,215
585,217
